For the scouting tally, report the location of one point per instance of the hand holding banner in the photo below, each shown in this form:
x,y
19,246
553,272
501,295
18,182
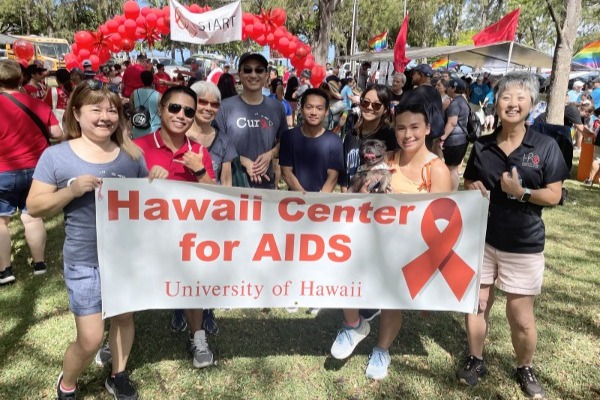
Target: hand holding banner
x,y
222,25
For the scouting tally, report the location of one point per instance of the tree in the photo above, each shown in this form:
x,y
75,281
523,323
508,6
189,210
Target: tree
x,y
566,31
326,10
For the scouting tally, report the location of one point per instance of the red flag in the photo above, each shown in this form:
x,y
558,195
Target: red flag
x,y
501,31
400,60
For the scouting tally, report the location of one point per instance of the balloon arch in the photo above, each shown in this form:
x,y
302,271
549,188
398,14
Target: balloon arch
x,y
149,24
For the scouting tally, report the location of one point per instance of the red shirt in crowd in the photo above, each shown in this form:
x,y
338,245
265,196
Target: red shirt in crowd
x,y
157,153
161,76
22,142
132,79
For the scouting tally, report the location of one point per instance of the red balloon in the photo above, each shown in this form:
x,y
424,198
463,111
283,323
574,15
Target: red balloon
x,y
119,19
127,45
270,38
292,46
145,11
130,26
71,64
262,40
84,39
112,25
308,63
195,8
83,54
259,29
95,60
284,43
104,29
247,18
279,33
140,21
122,31
74,48
158,12
166,11
151,20
131,9
278,16
301,52
249,29
103,55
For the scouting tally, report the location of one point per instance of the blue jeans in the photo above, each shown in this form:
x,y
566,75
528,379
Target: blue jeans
x,y
14,188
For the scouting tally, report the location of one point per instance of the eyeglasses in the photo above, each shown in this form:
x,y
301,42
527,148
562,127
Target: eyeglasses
x,y
204,103
364,103
175,109
257,70
95,84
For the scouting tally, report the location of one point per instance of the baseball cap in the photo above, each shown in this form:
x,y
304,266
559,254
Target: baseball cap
x,y
458,84
306,73
253,56
424,69
577,84
87,63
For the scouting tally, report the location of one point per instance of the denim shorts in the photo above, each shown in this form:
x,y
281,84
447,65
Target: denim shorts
x,y
14,188
83,287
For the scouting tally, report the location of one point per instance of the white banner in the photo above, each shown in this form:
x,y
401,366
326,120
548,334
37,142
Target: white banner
x,y
222,25
170,244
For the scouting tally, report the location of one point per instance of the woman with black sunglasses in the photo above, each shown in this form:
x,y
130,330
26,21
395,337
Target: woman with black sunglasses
x,y
374,123
184,160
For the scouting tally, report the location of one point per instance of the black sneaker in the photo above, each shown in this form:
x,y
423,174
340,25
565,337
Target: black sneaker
x,y
121,387
473,370
60,395
178,322
6,276
368,315
209,323
39,268
529,383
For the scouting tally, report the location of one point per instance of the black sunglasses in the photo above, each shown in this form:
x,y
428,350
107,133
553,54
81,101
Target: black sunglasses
x,y
175,108
95,84
257,70
204,103
364,103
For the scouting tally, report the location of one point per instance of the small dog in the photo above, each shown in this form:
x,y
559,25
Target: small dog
x,y
372,168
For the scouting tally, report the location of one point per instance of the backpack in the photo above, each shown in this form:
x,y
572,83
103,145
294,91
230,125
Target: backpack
x,y
473,130
140,118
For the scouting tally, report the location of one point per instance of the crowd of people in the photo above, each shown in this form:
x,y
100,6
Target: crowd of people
x,y
273,131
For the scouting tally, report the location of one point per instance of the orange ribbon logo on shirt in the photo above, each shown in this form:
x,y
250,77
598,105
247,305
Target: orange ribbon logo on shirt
x,y
440,255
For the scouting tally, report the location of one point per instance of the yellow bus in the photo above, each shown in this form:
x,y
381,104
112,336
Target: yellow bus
x,y
50,51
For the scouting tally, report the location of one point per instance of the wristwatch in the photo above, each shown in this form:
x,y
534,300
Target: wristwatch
x,y
526,195
200,173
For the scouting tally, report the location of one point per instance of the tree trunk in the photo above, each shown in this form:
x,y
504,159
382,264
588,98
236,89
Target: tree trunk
x,y
326,10
561,65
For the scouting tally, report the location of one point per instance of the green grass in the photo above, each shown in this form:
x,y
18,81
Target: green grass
x,y
270,354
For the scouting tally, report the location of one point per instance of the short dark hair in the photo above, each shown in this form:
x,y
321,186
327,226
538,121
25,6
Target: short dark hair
x,y
314,92
173,90
159,66
147,78
414,108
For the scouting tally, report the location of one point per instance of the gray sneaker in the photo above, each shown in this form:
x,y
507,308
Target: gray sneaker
x,y
103,356
201,354
348,338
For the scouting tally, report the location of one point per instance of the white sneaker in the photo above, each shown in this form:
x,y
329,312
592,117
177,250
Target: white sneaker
x,y
103,356
379,361
348,338
202,356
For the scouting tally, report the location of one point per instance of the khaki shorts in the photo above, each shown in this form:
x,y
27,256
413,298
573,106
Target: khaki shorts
x,y
512,272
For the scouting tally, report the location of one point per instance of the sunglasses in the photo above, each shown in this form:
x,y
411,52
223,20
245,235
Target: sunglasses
x,y
175,108
94,84
257,70
205,103
364,103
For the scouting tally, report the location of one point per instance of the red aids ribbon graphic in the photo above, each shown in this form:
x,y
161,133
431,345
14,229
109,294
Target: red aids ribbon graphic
x,y
440,255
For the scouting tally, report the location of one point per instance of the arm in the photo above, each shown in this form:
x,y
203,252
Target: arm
x,y
450,125
440,178
45,200
329,184
291,180
56,132
262,162
194,162
547,196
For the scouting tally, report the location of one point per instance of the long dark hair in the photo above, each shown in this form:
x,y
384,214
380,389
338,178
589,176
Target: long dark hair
x,y
226,85
384,95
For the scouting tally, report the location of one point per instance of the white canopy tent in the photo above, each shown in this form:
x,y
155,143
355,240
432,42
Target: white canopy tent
x,y
491,57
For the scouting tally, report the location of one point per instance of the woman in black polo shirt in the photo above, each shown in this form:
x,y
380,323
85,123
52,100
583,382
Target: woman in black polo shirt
x,y
521,171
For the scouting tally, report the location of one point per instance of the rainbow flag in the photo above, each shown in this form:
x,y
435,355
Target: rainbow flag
x,y
589,55
443,63
379,42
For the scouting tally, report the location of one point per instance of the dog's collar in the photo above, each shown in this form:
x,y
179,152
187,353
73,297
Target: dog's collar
x,y
378,166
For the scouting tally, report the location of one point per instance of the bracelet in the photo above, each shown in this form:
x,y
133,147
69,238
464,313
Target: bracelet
x,y
200,172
